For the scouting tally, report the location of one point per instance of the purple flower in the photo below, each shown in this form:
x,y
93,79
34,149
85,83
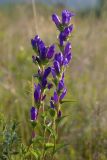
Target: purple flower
x,y
66,16
42,50
53,72
59,114
35,41
67,48
55,97
64,34
56,19
44,82
68,30
51,51
60,85
52,105
47,72
37,93
62,38
59,57
69,57
33,113
63,94
50,85
57,66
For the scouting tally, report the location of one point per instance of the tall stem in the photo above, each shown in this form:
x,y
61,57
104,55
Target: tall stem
x,y
32,91
54,126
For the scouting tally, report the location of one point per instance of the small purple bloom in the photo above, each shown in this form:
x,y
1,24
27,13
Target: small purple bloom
x,y
63,94
53,72
52,105
67,48
50,85
47,72
44,82
51,51
37,93
56,19
65,62
69,57
43,52
66,16
68,30
57,66
62,38
60,85
55,97
59,114
35,41
64,34
34,113
37,38
59,57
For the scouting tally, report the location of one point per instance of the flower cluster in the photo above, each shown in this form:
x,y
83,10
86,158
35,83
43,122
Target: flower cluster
x,y
64,26
41,59
43,53
61,59
52,63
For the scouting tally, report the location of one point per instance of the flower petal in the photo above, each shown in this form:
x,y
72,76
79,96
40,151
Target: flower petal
x,y
56,19
57,66
51,51
63,94
33,113
37,93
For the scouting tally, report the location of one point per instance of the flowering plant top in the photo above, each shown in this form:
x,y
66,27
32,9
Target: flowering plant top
x,y
51,64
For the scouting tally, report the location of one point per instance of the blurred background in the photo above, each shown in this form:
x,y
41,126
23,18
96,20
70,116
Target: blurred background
x,y
86,80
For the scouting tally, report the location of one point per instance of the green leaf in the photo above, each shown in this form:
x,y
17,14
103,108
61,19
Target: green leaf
x,y
52,112
38,139
49,145
35,154
52,132
58,120
33,123
60,146
68,101
44,62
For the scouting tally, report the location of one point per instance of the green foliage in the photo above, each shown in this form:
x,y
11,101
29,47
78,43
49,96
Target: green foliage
x,y
9,140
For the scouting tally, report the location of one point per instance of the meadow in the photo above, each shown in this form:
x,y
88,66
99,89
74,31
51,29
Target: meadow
x,y
86,78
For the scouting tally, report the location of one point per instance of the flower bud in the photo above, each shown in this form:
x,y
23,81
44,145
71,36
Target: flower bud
x,y
51,51
34,113
57,67
66,16
56,19
37,93
63,94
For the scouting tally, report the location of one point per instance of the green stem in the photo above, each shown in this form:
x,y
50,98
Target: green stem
x,y
32,91
54,126
43,154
